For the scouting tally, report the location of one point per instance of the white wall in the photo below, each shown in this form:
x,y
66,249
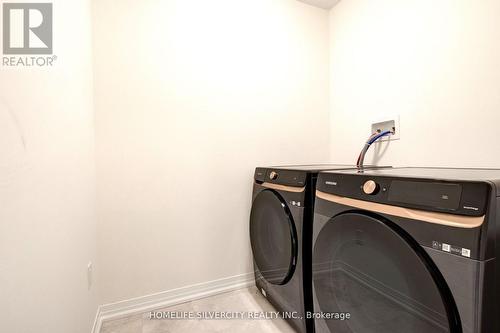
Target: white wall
x,y
190,96
436,63
47,185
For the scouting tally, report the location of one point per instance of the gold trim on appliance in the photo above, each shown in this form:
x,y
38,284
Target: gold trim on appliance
x,y
284,187
458,221
370,187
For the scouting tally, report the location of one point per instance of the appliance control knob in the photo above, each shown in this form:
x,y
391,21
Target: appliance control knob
x,y
370,187
273,175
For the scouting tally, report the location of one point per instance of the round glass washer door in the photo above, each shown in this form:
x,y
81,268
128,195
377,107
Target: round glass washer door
x,y
368,267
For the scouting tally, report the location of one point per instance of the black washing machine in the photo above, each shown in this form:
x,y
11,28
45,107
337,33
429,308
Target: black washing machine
x,y
281,235
407,250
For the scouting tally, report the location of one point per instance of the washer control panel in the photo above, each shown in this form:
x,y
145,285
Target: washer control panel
x,y
457,197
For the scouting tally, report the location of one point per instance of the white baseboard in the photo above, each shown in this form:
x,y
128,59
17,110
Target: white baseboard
x,y
169,298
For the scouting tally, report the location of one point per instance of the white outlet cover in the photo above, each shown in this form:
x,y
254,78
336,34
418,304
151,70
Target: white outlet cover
x,y
89,274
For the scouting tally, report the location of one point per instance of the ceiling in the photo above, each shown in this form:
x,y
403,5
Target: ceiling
x,y
326,4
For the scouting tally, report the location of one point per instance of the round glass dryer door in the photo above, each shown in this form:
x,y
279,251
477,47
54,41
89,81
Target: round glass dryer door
x,y
365,266
273,237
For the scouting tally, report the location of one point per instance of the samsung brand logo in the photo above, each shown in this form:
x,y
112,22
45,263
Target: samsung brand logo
x,y
331,183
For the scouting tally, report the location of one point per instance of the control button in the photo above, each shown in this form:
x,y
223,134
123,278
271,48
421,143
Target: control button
x,y
370,187
273,175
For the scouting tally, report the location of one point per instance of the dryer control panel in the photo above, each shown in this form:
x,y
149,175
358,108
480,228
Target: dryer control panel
x,y
281,177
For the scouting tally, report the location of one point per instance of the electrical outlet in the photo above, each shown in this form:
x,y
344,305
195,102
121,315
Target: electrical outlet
x,y
387,124
89,275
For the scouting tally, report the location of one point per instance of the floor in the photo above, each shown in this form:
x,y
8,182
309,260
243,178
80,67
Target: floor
x,y
247,300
